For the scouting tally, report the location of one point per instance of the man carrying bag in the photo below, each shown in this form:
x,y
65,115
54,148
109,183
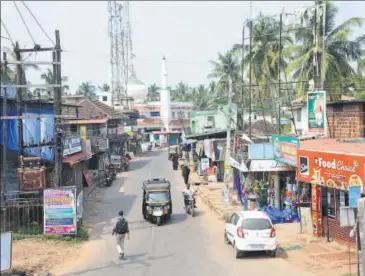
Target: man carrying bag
x,y
121,229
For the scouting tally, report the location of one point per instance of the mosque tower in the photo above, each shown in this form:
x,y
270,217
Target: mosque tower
x,y
165,106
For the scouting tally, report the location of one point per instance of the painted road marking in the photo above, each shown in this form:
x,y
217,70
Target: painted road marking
x,y
121,190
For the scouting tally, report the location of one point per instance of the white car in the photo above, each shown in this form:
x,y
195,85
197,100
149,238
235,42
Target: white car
x,y
250,231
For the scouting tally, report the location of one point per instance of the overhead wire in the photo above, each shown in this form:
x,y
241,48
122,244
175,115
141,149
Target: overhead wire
x,y
25,24
7,32
36,20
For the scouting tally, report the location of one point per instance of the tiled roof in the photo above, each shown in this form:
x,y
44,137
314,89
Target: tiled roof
x,y
333,145
91,110
157,121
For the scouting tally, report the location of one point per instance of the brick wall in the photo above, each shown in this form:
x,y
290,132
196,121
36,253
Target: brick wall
x,y
336,232
345,120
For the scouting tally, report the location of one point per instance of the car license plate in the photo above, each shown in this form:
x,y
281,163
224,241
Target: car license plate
x,y
257,246
157,213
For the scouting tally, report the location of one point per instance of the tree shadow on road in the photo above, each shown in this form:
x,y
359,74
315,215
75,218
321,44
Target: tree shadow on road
x,y
138,164
136,259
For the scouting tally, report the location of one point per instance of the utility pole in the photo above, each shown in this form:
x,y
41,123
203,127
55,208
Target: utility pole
x,y
228,142
323,73
19,99
58,110
279,70
240,121
361,219
57,89
250,82
5,132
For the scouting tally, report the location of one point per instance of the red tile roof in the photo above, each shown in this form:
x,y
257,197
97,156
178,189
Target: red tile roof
x,y
157,121
332,145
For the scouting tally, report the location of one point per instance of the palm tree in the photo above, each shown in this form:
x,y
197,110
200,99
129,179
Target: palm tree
x,y
202,99
48,79
11,74
153,93
181,92
340,51
104,88
87,89
226,69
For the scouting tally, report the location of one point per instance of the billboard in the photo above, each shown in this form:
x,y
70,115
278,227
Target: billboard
x,y
285,149
316,108
60,211
334,170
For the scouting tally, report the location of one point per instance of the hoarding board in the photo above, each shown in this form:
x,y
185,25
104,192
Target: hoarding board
x,y
316,108
60,211
285,149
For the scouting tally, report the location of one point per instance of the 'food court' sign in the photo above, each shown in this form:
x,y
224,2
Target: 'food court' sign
x,y
333,170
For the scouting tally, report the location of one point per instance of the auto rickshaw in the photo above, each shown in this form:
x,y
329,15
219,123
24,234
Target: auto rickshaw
x,y
156,203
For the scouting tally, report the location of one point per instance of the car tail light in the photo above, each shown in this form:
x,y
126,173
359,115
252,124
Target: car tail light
x,y
273,233
240,232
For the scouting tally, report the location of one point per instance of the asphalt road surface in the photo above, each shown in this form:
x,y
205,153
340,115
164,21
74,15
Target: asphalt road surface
x,y
182,246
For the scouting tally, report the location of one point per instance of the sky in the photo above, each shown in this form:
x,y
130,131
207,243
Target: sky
x,y
188,33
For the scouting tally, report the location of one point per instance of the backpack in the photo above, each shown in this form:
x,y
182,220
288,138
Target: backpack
x,y
121,227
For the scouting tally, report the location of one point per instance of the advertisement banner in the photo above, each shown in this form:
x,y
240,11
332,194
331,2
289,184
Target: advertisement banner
x,y
285,149
333,170
83,133
60,211
71,146
316,108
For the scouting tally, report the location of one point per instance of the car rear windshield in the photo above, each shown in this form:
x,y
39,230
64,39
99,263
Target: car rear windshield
x,y
256,224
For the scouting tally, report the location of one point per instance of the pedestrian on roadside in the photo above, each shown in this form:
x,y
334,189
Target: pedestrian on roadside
x,y
186,173
121,230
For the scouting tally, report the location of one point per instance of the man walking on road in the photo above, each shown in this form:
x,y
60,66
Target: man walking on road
x,y
121,229
186,173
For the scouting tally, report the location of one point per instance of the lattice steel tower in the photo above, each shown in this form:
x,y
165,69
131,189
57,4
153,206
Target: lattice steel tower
x,y
121,57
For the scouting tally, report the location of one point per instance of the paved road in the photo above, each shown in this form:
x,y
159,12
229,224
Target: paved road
x,y
182,246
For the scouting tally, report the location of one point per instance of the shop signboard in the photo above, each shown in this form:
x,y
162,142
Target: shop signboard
x,y
285,149
354,195
60,211
71,146
316,217
316,108
333,170
204,163
83,133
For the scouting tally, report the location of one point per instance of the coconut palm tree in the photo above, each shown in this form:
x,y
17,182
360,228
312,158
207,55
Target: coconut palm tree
x,y
202,99
87,89
180,93
153,93
104,88
340,50
11,74
48,79
226,69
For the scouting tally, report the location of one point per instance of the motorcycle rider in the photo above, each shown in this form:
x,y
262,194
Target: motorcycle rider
x,y
187,193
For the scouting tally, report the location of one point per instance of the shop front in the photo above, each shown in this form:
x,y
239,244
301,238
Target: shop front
x,y
335,181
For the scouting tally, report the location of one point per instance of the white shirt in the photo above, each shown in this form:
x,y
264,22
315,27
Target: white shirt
x,y
189,192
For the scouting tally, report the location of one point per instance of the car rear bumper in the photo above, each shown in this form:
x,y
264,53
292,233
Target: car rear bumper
x,y
269,245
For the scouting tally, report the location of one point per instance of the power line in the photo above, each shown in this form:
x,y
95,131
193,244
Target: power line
x,y
25,24
8,33
39,25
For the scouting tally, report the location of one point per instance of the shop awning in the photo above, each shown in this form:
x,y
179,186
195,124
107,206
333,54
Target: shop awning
x,y
75,158
269,166
241,167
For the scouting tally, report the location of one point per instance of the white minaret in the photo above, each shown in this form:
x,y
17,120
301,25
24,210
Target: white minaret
x,y
165,106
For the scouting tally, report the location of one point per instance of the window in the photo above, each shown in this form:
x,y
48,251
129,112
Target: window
x,y
331,201
158,196
73,128
299,115
256,224
105,98
234,219
335,200
155,114
173,115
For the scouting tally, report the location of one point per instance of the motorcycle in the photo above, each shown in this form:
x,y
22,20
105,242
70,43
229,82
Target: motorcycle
x,y
149,147
189,204
126,166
